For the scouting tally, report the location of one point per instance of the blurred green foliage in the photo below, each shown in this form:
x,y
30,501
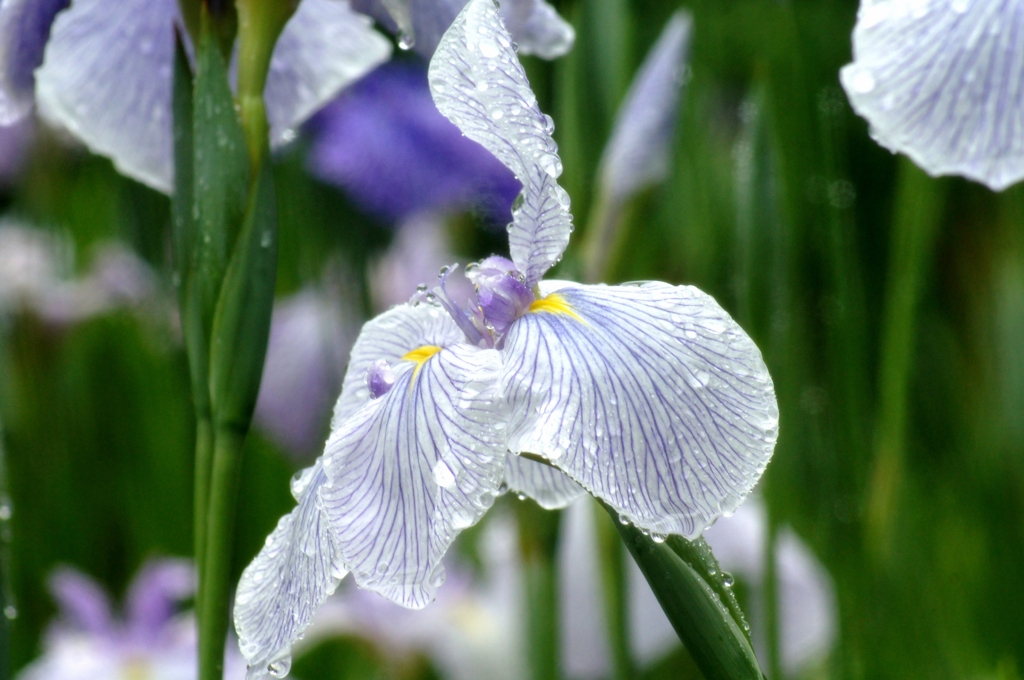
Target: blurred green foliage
x,y
779,205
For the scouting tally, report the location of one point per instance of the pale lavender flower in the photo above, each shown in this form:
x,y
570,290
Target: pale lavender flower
x,y
940,81
105,72
386,144
806,595
648,396
310,335
534,24
419,250
150,640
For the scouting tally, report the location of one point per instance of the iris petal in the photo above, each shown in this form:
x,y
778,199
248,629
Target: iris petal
x,y
943,82
650,396
479,84
639,151
411,469
324,47
106,78
24,29
390,336
281,589
549,486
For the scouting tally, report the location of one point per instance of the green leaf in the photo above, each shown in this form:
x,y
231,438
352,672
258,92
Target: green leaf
x,y
221,183
242,323
685,578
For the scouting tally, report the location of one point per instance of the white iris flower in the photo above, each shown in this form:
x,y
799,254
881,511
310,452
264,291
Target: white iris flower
x,y
107,68
943,82
648,396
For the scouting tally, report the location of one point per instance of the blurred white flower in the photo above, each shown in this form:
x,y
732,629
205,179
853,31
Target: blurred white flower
x,y
806,594
104,72
940,80
473,629
36,275
150,641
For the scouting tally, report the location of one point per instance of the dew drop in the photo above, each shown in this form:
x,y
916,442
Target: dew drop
x,y
863,82
496,114
443,475
727,579
488,49
11,612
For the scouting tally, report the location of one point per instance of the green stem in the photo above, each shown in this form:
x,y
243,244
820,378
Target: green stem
x,y
602,237
538,540
616,592
919,202
201,491
214,591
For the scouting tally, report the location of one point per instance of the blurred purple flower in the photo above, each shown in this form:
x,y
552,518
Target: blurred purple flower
x,y
385,142
309,340
151,640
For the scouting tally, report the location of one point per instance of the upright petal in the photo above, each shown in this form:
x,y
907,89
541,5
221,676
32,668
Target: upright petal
x,y
639,151
24,29
390,336
549,486
411,469
324,47
649,396
534,24
155,593
106,77
298,568
83,604
479,84
943,82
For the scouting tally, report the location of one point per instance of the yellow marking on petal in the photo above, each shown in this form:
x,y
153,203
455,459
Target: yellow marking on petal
x,y
419,356
554,304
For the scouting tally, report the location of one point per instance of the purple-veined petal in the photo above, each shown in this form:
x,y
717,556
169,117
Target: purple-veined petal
x,y
943,82
106,78
639,151
281,589
534,24
155,593
479,84
409,470
390,336
550,487
324,47
24,29
650,396
83,603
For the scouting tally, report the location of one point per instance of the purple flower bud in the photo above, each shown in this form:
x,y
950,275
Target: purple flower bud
x,y
502,293
380,378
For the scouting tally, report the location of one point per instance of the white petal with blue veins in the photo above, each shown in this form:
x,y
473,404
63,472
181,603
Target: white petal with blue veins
x,y
390,336
411,469
650,396
478,83
549,486
106,78
324,47
285,584
943,82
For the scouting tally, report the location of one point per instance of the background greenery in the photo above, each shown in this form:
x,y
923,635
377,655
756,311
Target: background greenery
x,y
889,307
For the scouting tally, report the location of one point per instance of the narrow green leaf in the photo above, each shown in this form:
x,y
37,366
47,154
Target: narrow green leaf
x,y
242,324
684,578
221,183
